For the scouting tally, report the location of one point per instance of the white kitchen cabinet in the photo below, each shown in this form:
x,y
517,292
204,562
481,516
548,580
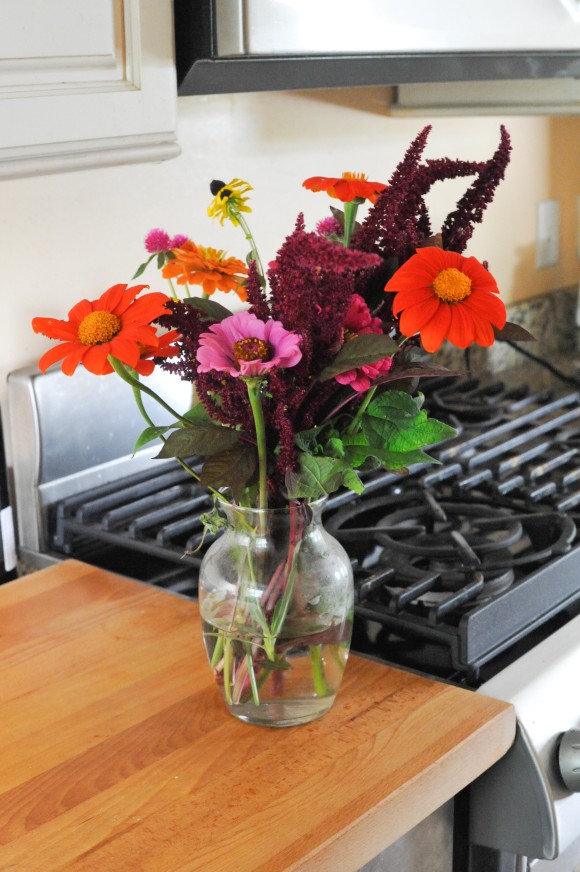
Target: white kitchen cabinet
x,y
85,83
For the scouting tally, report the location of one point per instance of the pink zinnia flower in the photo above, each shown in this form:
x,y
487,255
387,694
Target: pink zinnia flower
x,y
242,345
358,320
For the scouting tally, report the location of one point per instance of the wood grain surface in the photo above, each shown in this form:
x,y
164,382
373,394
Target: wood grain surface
x,y
117,753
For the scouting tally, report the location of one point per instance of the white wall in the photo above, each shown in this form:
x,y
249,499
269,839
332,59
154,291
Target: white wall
x,y
64,237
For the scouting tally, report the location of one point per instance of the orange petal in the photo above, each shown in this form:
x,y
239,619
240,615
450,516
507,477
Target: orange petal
x,y
55,354
125,350
73,359
433,333
415,317
95,359
113,297
411,297
461,331
484,334
54,329
487,306
80,311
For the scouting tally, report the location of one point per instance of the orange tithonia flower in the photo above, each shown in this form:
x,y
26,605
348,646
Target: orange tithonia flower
x,y
193,264
116,324
351,186
443,295
166,348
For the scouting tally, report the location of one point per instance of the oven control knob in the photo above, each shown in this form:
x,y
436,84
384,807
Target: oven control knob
x,y
569,759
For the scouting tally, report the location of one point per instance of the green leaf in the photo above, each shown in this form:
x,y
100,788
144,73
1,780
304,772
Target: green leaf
x,y
395,406
316,477
425,431
396,422
335,447
148,435
233,469
214,311
363,349
396,461
212,521
352,481
141,269
198,414
204,439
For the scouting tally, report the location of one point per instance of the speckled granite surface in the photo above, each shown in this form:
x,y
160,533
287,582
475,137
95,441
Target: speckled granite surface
x,y
550,318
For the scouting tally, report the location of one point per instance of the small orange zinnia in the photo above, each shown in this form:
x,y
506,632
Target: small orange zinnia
x,y
443,295
196,265
350,187
116,324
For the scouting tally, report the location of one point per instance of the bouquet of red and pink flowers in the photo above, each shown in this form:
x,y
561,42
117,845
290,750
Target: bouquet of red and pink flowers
x,y
309,384
301,392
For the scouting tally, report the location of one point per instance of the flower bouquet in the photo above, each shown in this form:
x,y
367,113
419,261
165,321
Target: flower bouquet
x,y
305,389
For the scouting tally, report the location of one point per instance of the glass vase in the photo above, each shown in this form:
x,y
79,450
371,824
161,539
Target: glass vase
x,y
276,602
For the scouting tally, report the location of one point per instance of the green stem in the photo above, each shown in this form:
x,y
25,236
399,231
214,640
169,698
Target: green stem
x,y
253,385
350,210
121,371
137,388
249,237
252,674
318,679
227,672
218,650
360,411
174,293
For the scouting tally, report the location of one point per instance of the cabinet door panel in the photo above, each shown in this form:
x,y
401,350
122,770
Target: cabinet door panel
x,y
86,83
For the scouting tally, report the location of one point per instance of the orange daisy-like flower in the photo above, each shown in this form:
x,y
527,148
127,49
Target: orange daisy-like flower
x,y
193,264
350,187
116,324
443,295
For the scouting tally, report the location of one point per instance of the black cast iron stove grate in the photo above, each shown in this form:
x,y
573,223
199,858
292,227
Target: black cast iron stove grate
x,y
454,563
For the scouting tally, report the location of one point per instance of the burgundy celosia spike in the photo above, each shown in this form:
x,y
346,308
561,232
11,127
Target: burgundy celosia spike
x,y
458,226
311,283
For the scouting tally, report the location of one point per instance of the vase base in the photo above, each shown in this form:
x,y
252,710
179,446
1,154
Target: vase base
x,y
281,712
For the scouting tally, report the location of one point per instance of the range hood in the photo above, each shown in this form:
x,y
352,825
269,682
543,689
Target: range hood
x,y
226,46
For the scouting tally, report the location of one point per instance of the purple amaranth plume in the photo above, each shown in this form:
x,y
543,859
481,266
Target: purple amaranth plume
x,y
255,293
458,226
399,223
188,321
382,231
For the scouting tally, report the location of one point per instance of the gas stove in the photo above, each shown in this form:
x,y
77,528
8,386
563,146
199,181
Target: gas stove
x,y
454,563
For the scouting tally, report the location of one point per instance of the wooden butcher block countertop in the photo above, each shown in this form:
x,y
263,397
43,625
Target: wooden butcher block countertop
x,y
117,753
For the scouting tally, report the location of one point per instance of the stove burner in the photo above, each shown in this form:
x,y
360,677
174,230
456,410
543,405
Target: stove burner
x,y
436,557
473,403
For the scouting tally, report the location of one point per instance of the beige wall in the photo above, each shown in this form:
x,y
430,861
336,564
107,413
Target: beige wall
x,y
66,236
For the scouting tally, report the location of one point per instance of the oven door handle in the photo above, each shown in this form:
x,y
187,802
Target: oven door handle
x,y
510,806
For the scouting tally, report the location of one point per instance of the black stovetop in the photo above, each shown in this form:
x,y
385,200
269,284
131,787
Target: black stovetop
x,y
454,564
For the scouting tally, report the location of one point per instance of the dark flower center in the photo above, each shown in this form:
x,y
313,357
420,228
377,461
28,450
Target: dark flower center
x,y
215,186
252,348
